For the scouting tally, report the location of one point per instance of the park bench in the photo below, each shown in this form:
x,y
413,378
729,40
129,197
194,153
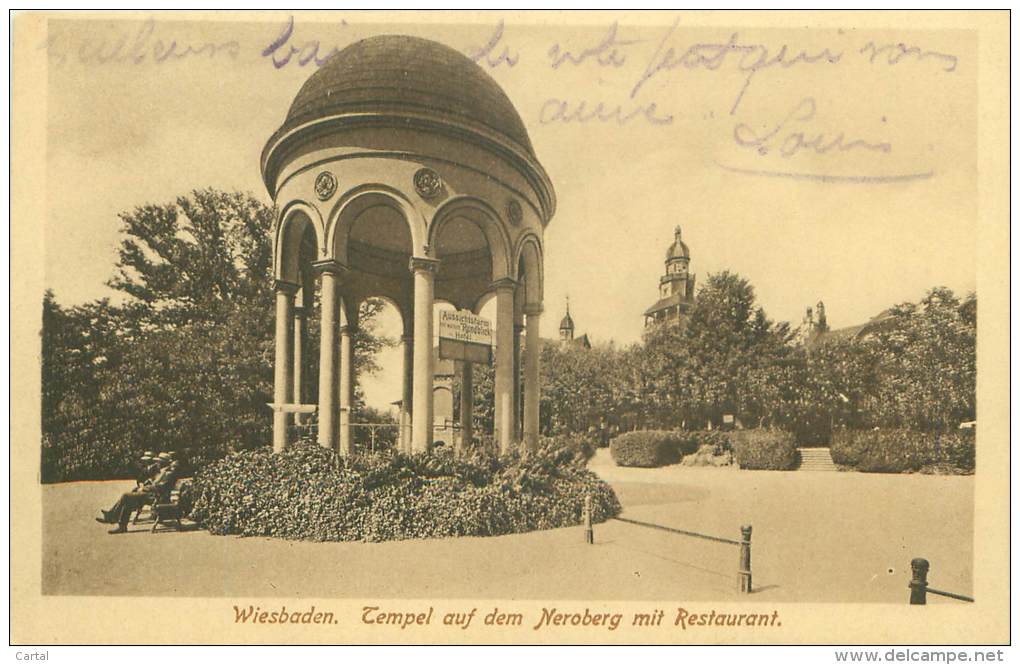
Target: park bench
x,y
170,511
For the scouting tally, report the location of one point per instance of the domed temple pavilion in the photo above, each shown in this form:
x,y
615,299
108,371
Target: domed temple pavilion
x,y
403,172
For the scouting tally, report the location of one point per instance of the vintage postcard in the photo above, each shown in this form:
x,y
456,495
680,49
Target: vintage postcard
x,y
510,327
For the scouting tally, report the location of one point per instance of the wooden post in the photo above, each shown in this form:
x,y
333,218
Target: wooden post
x,y
745,559
589,533
919,582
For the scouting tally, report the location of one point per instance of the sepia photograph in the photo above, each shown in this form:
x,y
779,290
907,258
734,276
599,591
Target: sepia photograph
x,y
510,327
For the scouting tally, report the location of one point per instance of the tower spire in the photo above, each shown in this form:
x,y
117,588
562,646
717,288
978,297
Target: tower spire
x,y
567,325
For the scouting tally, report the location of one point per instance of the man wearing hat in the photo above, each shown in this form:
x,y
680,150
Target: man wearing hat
x,y
151,490
147,468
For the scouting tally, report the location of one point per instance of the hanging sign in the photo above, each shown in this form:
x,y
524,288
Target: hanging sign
x,y
464,336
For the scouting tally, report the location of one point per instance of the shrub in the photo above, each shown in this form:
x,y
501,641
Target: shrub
x,y
647,448
769,449
847,446
309,493
903,450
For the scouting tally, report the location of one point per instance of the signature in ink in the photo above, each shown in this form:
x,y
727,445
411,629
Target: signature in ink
x,y
894,53
487,53
565,111
753,58
306,53
789,140
119,47
607,53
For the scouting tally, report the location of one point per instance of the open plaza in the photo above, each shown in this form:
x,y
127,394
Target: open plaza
x,y
812,542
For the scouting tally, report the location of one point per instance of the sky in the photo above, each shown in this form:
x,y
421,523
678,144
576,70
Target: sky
x,y
835,163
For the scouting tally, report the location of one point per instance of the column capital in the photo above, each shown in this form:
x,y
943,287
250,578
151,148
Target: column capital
x,y
534,309
299,311
503,284
288,288
331,266
423,263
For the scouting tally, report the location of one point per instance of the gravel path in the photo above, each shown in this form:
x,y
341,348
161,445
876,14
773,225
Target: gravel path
x,y
817,537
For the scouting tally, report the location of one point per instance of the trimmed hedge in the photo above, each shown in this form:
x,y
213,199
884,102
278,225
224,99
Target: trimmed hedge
x,y
768,449
648,448
309,493
903,450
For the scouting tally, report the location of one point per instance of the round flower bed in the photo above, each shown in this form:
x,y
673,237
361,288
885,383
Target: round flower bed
x,y
309,493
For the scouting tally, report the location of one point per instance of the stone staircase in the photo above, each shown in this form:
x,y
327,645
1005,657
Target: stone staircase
x,y
816,459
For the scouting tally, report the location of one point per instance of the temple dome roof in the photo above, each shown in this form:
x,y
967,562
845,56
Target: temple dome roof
x,y
398,72
403,82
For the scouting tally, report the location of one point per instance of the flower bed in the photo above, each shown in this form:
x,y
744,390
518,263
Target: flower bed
x,y
309,493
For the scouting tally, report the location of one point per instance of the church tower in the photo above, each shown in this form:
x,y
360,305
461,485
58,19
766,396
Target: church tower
x,y
676,286
567,326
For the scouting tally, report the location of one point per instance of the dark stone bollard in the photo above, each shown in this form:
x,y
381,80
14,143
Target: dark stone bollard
x,y
589,533
919,582
745,559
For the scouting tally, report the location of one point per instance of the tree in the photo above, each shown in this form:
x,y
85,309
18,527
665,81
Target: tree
x,y
199,257
726,357
186,362
917,370
928,363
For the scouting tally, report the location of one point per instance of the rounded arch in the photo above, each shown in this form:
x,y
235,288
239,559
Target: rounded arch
x,y
528,257
482,301
360,199
299,224
489,223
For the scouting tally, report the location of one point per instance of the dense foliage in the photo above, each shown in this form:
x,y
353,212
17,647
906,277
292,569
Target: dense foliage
x,y
310,493
646,448
917,371
903,450
768,449
184,362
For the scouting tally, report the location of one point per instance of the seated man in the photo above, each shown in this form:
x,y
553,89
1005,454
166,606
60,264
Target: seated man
x,y
157,490
144,481
148,468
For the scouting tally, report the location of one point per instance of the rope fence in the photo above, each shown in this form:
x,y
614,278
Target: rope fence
x,y
744,561
919,588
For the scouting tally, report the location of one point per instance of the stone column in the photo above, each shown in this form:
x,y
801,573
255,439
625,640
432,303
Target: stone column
x,y
332,272
299,360
283,362
467,406
504,407
348,323
406,393
532,386
424,271
518,329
